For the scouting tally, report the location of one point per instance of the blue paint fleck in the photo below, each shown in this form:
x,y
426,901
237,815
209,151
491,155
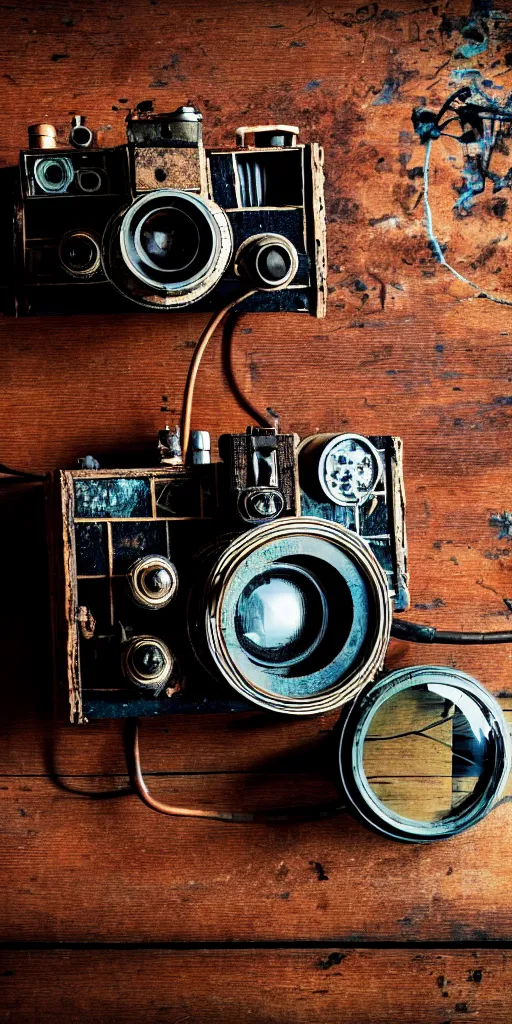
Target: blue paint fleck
x,y
313,84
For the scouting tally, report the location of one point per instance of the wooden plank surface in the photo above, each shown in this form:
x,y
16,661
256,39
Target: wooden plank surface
x,y
323,986
106,869
405,349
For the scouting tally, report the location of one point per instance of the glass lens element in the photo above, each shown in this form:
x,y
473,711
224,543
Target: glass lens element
x,y
170,239
158,581
424,753
148,660
281,615
79,253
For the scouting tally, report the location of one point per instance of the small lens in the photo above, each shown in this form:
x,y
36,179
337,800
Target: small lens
x,y
89,180
274,264
153,581
158,581
148,660
280,616
79,254
169,239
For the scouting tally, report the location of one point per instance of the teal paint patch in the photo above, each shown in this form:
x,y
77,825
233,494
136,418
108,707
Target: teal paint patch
x,y
112,498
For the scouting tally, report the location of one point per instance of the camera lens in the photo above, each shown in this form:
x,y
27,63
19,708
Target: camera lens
x,y
147,662
54,174
281,615
273,264
424,753
79,254
169,249
153,581
269,261
169,239
295,615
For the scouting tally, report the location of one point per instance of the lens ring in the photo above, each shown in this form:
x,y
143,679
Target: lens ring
x,y
139,576
152,291
54,173
366,636
79,254
188,206
89,180
463,692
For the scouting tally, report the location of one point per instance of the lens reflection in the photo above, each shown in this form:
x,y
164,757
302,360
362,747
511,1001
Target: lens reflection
x,y
79,253
281,615
170,239
428,750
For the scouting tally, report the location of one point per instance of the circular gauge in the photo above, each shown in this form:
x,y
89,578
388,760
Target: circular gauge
x,y
349,469
153,581
424,753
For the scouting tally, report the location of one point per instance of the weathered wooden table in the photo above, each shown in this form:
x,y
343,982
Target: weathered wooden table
x,y
110,912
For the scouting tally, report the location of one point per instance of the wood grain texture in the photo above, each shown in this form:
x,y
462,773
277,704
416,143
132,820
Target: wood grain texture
x,y
141,877
323,986
406,349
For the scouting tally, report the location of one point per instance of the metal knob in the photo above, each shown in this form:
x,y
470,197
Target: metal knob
x,y
147,663
153,581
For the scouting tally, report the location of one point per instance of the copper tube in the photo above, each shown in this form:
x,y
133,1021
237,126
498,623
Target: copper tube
x,y
42,136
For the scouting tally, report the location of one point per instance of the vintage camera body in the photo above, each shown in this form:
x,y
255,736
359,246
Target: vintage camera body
x,y
163,224
267,578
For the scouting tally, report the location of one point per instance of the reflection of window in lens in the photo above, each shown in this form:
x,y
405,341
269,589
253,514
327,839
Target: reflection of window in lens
x,y
281,615
427,751
273,614
170,238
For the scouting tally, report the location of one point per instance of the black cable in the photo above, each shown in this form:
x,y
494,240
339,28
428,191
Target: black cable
x,y
24,474
415,633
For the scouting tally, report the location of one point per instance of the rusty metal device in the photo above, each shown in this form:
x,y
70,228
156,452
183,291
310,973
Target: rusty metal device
x,y
161,223
200,586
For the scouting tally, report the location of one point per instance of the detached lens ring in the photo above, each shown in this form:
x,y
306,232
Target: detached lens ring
x,y
364,668
362,798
